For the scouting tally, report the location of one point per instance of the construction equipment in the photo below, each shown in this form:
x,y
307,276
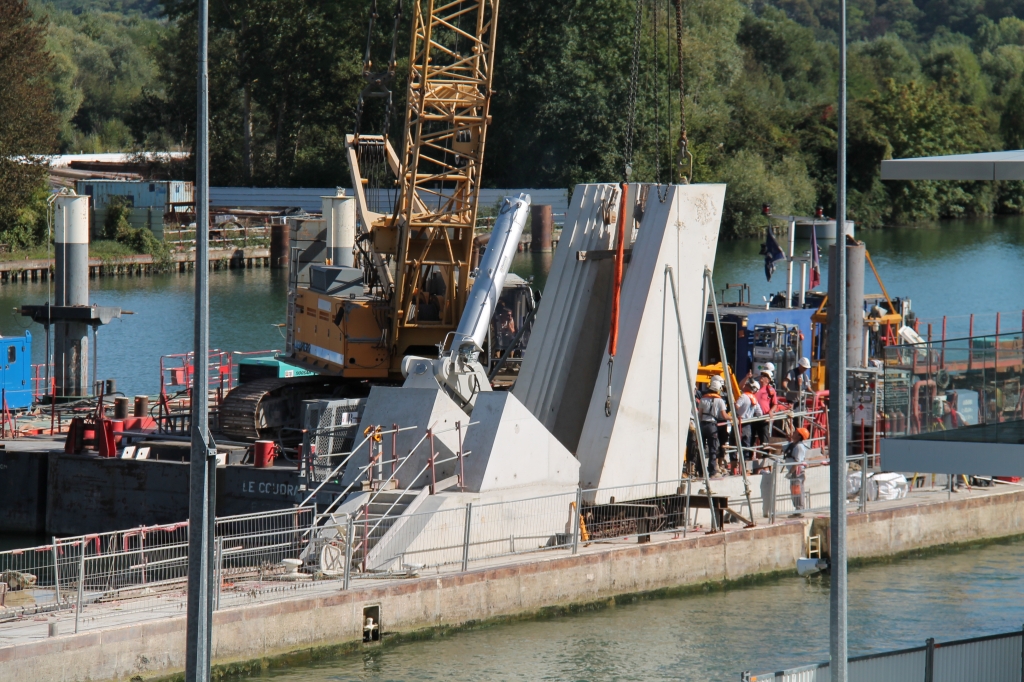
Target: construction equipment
x,y
405,293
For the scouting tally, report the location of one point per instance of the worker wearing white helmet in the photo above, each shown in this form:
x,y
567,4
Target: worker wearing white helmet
x,y
798,381
713,411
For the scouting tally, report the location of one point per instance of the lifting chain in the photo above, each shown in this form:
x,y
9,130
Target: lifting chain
x,y
631,102
684,143
378,83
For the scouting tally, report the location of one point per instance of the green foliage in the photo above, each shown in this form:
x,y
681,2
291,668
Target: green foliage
x,y
28,125
105,62
760,78
117,228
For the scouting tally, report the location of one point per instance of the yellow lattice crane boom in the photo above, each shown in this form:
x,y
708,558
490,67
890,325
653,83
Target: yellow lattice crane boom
x,y
428,238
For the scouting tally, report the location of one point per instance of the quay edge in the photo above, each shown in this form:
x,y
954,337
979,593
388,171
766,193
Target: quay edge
x,y
249,638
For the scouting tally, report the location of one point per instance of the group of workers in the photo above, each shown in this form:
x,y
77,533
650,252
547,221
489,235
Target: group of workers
x,y
758,398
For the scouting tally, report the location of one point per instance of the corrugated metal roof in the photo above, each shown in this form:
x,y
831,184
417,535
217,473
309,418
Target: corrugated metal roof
x,y
1008,165
309,198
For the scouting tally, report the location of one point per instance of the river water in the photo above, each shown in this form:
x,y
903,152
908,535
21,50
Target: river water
x,y
954,268
716,635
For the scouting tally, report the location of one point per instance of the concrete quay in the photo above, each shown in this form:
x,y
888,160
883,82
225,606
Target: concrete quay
x,y
323,619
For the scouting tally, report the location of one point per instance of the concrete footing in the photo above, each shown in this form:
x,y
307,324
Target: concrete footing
x,y
245,637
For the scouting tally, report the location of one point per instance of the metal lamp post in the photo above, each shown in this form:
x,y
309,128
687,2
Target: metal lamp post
x,y
837,394
203,467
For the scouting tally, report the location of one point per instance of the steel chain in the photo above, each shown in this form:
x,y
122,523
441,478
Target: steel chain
x,y
684,143
631,103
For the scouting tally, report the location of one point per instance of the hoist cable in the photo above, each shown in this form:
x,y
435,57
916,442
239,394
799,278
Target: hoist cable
x,y
631,102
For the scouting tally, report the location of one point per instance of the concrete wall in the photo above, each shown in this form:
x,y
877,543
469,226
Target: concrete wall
x,y
271,629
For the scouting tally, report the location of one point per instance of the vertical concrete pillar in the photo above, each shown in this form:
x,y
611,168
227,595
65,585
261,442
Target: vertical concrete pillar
x,y
339,215
854,300
71,339
541,229
278,246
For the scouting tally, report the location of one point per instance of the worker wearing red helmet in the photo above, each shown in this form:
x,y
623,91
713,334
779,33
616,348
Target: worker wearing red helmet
x,y
795,459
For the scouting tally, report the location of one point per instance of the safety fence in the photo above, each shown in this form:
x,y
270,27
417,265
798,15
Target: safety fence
x,y
993,658
946,384
381,532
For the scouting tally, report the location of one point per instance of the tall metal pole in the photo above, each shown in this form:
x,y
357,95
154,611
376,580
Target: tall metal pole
x,y
837,394
203,469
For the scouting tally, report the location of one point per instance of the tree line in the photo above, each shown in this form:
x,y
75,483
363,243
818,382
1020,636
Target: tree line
x,y
759,81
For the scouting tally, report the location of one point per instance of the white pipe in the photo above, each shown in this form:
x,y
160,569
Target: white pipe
x,y
494,265
789,263
803,282
339,215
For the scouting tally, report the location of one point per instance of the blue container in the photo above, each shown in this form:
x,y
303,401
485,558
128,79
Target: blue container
x,y
16,370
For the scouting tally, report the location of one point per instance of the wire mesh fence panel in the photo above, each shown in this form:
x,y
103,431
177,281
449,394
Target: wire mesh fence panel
x,y
29,582
515,527
636,510
262,555
410,542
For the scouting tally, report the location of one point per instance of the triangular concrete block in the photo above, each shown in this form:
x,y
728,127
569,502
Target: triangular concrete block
x,y
423,408
509,448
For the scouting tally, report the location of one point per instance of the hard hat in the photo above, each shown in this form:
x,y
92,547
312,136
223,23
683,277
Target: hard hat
x,y
804,433
805,363
754,385
770,368
770,373
717,383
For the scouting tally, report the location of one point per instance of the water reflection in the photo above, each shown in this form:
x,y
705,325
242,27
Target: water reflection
x,y
716,635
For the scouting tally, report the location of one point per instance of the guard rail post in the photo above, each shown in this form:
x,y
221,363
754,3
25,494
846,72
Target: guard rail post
x,y
929,660
864,482
465,538
218,568
56,573
81,584
577,515
349,539
775,485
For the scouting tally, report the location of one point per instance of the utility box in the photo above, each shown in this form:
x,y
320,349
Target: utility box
x,y
336,281
16,370
149,202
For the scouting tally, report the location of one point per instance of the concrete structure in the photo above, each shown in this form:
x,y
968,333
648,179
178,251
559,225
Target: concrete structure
x,y
339,216
577,301
328,620
855,257
1007,165
641,436
71,250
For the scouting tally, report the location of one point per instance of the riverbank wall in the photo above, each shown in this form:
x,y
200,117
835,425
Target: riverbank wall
x,y
39,269
250,638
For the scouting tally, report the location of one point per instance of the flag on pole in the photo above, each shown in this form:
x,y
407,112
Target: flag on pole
x,y
814,277
771,252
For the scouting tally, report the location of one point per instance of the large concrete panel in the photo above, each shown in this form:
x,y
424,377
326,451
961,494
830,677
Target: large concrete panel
x,y
562,362
643,438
